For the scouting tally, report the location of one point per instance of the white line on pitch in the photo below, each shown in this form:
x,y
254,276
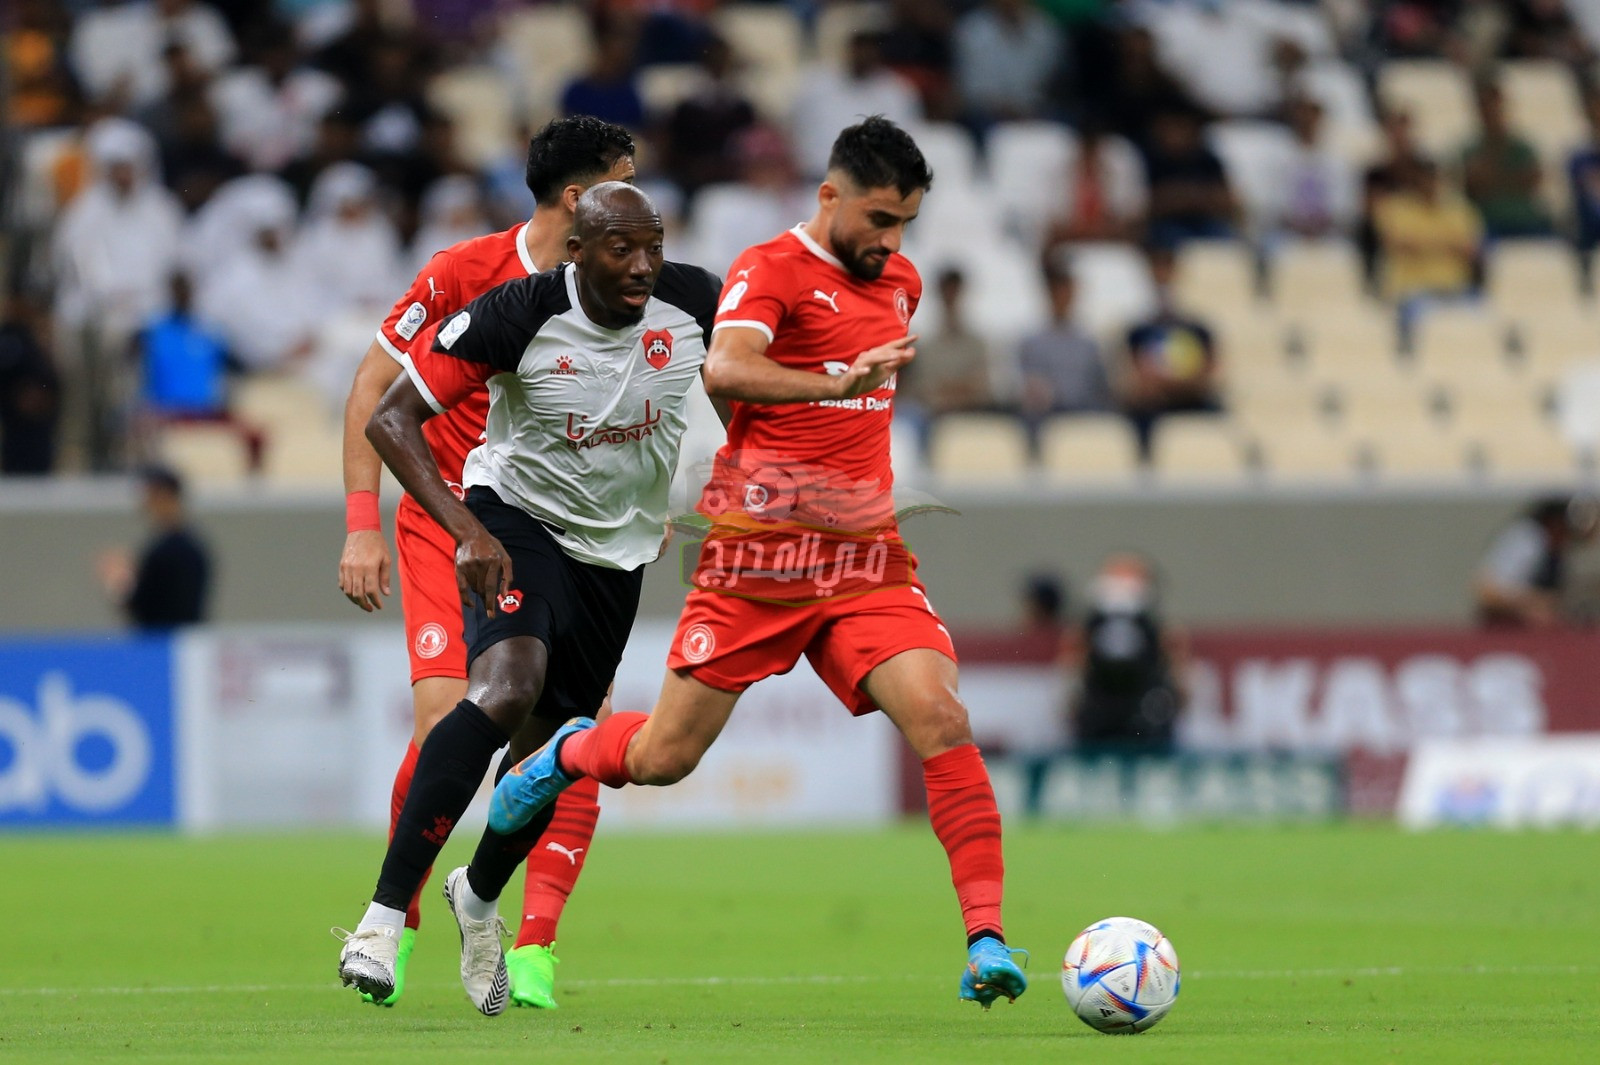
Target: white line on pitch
x,y
781,981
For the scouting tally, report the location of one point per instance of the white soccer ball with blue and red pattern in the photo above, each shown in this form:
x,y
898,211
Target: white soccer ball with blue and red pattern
x,y
1120,975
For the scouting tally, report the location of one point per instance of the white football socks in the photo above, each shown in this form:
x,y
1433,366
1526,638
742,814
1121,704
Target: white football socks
x,y
382,917
475,908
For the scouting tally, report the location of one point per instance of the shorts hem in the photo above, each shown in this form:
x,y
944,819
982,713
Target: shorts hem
x,y
866,705
429,672
713,679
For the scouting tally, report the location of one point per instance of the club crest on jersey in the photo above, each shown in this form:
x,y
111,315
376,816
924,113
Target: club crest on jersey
x,y
657,347
411,321
510,602
902,305
431,640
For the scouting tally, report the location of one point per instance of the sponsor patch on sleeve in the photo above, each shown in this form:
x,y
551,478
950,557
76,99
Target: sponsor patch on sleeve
x,y
453,329
735,294
411,321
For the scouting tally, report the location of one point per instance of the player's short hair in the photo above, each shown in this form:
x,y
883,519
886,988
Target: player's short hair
x,y
877,154
577,149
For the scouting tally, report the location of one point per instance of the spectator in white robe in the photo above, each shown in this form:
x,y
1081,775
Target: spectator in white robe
x,y
113,251
257,298
269,110
116,49
348,248
452,211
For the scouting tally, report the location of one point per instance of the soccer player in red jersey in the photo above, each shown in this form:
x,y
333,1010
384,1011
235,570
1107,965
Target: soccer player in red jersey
x,y
804,556
565,158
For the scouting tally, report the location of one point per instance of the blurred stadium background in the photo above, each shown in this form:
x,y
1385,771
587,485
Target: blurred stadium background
x,y
1294,299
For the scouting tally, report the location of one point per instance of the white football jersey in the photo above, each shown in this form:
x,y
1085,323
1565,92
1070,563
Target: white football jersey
x,y
584,421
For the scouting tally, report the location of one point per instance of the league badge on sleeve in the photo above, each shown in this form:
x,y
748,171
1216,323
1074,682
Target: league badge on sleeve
x,y
411,321
657,347
452,330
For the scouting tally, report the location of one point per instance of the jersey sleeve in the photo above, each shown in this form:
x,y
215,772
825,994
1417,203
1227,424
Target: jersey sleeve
x,y
493,330
757,295
443,380
693,290
431,294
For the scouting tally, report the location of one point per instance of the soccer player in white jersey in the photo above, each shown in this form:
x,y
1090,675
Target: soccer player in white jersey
x,y
589,368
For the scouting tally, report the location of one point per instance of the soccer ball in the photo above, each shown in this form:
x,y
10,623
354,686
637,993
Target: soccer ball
x,y
1120,975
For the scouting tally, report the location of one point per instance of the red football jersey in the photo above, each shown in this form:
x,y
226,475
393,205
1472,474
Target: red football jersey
x,y
823,465
452,279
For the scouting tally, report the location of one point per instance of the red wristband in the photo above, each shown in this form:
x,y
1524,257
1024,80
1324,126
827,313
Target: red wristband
x,y
361,512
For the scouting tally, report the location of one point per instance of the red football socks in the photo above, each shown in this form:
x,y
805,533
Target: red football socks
x,y
397,801
962,809
554,865
602,752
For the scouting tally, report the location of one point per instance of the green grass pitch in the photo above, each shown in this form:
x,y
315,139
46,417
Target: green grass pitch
x,y
1351,944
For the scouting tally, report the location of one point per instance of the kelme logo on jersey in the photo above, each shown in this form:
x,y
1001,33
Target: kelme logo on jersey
x,y
657,347
564,366
510,602
411,321
452,329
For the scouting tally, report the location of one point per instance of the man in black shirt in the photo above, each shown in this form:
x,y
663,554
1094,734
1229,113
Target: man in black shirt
x,y
168,586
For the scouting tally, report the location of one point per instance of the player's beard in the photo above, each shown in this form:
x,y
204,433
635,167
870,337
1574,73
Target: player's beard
x,y
855,258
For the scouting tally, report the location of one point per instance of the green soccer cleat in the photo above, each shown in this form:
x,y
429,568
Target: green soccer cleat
x,y
533,976
408,939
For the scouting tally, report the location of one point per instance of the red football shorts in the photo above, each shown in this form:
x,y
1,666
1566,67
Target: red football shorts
x,y
428,596
730,643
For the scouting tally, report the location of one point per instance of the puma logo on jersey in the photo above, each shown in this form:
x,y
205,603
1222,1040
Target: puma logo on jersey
x,y
433,291
572,855
831,300
743,273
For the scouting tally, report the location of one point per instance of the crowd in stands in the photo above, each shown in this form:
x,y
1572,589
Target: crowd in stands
x,y
203,190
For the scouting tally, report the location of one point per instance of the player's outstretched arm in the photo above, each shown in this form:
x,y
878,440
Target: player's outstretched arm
x,y
395,430
737,368
364,565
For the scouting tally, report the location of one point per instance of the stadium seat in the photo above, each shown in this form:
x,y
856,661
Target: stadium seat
x,y
1416,451
768,38
981,447
1526,277
1537,452
664,86
1215,276
1247,340
1114,286
1027,161
1459,340
1350,128
1379,401
545,46
950,152
1547,345
1198,447
1252,153
1089,448
203,452
1317,276
1352,344
1543,103
838,22
1309,451
1438,94
478,100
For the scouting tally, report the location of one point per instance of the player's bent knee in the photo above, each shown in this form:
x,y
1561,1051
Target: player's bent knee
x,y
940,724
